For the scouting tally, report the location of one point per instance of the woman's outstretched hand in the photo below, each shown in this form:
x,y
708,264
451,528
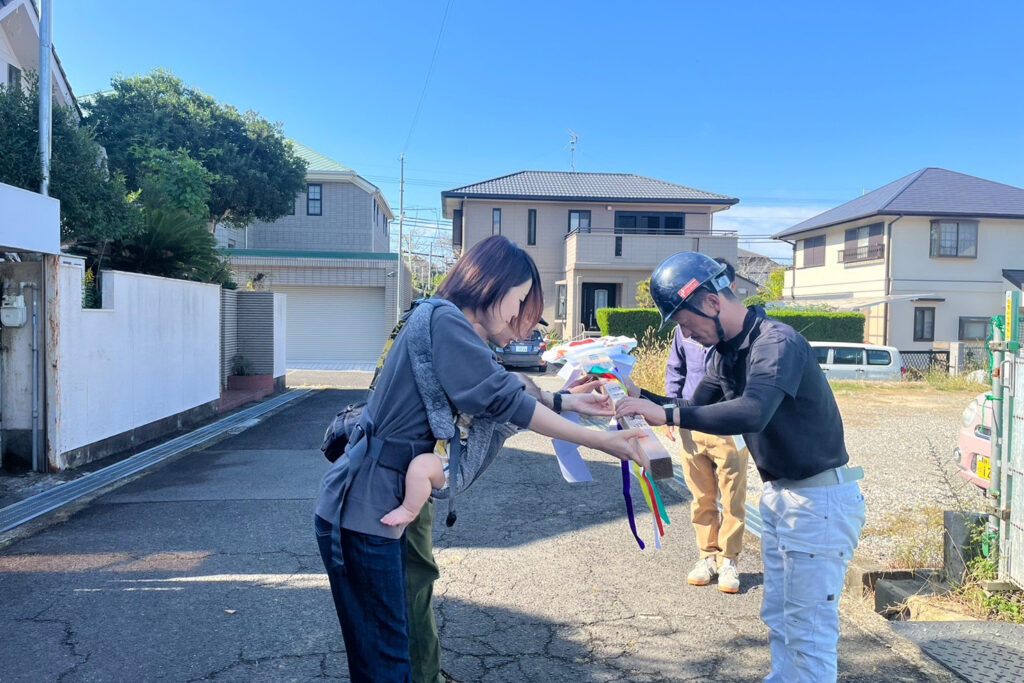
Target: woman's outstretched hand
x,y
625,445
589,404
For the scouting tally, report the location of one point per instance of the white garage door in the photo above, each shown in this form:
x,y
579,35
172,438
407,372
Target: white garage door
x,y
335,324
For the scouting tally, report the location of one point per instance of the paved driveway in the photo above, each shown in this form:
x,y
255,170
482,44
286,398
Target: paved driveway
x,y
207,569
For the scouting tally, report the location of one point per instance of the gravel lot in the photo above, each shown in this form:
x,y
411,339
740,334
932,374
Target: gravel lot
x,y
903,436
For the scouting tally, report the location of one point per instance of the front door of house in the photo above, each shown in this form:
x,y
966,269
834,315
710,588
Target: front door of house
x,y
595,297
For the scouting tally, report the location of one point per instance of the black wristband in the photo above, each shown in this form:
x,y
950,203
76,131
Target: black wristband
x,y
668,415
556,402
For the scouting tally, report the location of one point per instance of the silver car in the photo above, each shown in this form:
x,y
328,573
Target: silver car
x,y
868,362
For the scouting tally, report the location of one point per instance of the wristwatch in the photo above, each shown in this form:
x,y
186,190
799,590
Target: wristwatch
x,y
668,415
556,402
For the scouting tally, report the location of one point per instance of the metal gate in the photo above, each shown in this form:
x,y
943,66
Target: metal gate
x,y
1014,481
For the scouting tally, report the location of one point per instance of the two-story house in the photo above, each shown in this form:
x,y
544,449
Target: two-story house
x,y
331,256
922,257
592,235
19,51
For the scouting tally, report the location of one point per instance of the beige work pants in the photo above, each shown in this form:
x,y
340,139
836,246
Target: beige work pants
x,y
714,469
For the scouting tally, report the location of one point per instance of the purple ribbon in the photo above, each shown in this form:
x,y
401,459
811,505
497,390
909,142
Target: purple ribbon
x,y
629,502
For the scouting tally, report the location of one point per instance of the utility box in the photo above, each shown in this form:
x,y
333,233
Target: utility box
x,y
12,311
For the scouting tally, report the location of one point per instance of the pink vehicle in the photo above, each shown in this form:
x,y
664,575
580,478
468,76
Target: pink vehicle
x,y
973,452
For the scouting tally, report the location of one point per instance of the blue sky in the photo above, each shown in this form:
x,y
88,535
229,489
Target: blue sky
x,y
793,107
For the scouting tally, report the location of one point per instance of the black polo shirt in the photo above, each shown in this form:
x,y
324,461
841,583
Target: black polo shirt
x,y
805,435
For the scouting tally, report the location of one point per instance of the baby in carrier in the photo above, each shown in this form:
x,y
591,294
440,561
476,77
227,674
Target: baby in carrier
x,y
427,472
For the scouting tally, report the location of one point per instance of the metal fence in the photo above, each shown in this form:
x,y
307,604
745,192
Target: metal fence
x,y
926,361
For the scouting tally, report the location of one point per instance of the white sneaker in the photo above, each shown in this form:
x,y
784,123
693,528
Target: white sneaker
x,y
728,576
702,572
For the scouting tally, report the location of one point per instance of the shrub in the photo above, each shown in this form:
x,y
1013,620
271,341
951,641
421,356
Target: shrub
x,y
823,325
632,322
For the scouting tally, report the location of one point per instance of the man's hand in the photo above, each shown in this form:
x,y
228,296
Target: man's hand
x,y
652,412
588,404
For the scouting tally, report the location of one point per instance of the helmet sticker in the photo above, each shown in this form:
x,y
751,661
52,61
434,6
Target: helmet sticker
x,y
688,288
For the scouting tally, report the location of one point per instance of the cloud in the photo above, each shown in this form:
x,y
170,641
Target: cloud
x,y
756,224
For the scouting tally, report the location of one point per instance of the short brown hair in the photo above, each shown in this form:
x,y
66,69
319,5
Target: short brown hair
x,y
487,272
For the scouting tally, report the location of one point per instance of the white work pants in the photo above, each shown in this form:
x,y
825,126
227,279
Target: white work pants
x,y
807,541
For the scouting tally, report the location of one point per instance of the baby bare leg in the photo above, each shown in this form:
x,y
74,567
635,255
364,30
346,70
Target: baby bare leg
x,y
425,472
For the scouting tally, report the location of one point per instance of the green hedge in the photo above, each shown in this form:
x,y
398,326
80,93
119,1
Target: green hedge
x,y
814,325
823,325
631,322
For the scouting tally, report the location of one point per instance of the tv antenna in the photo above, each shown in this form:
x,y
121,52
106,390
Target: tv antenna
x,y
573,139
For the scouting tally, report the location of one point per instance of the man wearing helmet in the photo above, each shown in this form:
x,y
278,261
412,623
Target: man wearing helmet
x,y
763,382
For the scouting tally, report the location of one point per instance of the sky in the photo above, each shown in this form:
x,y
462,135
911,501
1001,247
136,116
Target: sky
x,y
792,107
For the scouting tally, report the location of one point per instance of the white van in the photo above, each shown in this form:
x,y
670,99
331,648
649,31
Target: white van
x,y
842,360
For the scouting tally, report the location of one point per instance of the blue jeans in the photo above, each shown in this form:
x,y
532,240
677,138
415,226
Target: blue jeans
x,y
807,541
369,596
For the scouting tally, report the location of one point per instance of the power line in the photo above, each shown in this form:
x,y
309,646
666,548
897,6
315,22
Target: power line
x,y
430,70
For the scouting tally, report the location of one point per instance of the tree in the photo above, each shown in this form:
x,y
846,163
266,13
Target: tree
x,y
173,180
771,290
643,294
93,202
255,173
171,244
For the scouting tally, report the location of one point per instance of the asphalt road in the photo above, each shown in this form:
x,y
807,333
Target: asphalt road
x,y
207,569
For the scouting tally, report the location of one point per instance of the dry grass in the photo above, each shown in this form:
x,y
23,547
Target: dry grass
x,y
651,359
919,534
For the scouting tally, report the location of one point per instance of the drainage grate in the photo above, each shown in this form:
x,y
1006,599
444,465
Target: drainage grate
x,y
39,504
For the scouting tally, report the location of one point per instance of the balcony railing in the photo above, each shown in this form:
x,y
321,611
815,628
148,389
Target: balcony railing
x,y
872,252
677,232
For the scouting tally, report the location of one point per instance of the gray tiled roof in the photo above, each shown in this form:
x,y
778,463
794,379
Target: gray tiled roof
x,y
928,192
572,186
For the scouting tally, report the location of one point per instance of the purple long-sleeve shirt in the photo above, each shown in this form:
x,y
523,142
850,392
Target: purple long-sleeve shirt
x,y
685,368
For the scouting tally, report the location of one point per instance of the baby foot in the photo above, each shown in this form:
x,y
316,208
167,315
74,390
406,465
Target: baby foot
x,y
398,517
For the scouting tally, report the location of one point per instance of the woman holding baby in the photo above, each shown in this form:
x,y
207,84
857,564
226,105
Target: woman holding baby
x,y
382,574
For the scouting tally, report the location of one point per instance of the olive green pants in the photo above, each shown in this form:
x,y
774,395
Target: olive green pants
x,y
420,573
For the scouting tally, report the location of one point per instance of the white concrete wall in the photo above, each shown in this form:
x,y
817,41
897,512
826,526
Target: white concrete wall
x,y
150,353
280,334
28,220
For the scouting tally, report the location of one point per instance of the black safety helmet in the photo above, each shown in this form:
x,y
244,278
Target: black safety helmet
x,y
679,276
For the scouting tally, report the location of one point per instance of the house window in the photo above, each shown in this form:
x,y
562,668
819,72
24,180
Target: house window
x,y
579,220
814,251
495,221
973,329
531,227
924,324
954,239
314,200
13,77
650,223
560,306
863,244
618,246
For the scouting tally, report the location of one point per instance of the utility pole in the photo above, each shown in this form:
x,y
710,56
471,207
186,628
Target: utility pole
x,y
573,138
45,94
401,236
430,268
